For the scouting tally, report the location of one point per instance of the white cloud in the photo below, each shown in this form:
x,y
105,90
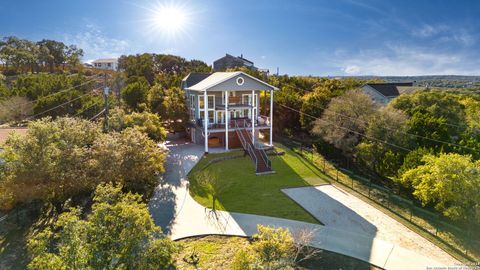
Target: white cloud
x,y
96,44
429,30
397,60
444,34
352,69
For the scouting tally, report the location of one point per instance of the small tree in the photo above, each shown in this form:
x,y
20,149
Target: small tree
x,y
118,234
275,248
212,184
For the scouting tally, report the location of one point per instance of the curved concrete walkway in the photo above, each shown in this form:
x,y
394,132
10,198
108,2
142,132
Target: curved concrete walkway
x,y
175,210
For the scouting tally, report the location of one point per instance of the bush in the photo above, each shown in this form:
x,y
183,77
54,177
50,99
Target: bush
x,y
119,233
275,248
147,122
59,159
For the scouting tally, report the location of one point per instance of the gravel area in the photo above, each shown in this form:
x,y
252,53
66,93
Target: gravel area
x,y
337,208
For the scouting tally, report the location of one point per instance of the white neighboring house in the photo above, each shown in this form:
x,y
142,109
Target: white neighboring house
x,y
383,93
108,63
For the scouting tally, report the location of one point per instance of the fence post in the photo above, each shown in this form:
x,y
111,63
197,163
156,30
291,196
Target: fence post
x,y
411,210
352,181
337,175
324,165
369,189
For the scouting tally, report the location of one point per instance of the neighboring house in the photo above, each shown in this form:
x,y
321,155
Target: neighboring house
x,y
230,118
230,61
111,63
383,93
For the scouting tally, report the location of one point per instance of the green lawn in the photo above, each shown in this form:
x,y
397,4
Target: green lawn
x,y
261,195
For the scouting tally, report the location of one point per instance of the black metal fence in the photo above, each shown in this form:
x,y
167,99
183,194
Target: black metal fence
x,y
464,239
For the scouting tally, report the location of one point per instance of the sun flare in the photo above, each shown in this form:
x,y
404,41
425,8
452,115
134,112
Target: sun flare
x,y
169,19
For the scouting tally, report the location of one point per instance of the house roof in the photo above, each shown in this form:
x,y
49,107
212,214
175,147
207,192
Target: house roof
x,y
389,89
220,77
105,60
235,57
194,78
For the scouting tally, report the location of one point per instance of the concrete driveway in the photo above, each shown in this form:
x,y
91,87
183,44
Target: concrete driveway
x,y
166,203
339,209
181,216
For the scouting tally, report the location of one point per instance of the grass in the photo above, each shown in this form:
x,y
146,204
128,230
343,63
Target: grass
x,y
217,252
260,195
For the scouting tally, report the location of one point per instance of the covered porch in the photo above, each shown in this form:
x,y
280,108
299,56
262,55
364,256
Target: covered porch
x,y
228,102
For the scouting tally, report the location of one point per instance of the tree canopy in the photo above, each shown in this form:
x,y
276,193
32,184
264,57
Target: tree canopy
x,y
119,233
68,156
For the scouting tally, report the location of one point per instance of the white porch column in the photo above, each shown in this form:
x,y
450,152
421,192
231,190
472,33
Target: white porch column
x,y
253,117
227,122
205,119
271,117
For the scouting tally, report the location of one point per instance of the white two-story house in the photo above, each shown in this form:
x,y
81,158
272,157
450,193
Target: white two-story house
x,y
224,109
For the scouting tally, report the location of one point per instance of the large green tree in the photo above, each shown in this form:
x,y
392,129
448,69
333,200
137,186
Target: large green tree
x,y
135,95
450,182
59,159
119,233
384,154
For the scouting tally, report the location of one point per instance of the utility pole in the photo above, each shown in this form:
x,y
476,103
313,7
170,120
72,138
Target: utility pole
x,y
106,91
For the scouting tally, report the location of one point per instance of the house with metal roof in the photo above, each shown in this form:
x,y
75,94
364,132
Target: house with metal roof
x,y
224,110
230,61
383,93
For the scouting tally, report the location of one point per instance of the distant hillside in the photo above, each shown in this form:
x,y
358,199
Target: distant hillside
x,y
447,81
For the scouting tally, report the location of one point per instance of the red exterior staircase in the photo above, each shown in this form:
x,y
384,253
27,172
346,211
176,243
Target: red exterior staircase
x,y
263,164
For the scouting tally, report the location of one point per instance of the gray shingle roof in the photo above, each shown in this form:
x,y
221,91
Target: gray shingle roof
x,y
389,89
194,78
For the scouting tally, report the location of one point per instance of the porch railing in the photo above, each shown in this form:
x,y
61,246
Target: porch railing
x,y
246,146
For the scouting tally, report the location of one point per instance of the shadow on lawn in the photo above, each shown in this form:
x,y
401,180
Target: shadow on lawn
x,y
262,195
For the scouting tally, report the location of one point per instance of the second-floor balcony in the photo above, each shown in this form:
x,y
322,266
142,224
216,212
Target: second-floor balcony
x,y
242,122
233,102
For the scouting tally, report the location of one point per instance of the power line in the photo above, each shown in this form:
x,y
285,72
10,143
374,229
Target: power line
x,y
394,130
98,114
350,130
86,109
61,91
58,106
307,91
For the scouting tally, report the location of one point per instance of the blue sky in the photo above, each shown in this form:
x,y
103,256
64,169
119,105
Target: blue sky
x,y
344,37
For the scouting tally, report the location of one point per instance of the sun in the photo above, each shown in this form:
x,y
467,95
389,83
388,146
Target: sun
x,y
169,19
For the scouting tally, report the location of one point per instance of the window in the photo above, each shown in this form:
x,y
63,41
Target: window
x,y
211,107
210,116
230,94
247,99
211,102
220,117
109,64
235,114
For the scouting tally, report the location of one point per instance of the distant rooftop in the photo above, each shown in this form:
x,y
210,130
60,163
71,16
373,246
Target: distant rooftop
x,y
390,89
105,60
